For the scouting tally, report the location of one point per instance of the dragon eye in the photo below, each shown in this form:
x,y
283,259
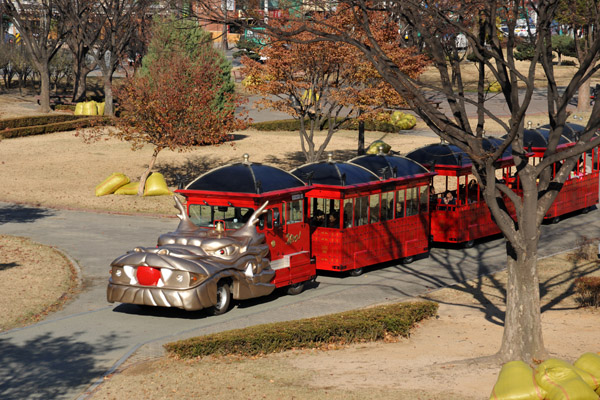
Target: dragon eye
x,y
224,251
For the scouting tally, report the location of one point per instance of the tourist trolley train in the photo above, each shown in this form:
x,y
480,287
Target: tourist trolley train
x,y
247,229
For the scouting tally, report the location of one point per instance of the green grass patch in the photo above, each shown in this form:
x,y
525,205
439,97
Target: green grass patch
x,y
293,125
364,325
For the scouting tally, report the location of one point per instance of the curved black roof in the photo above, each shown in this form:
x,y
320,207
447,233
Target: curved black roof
x,y
448,154
538,138
440,154
570,134
390,166
245,177
570,131
334,173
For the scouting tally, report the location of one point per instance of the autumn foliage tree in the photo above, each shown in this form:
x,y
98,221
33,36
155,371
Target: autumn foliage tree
x,y
324,85
175,105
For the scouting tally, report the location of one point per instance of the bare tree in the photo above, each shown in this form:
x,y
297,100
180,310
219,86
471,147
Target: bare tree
x,y
42,32
437,25
118,21
79,17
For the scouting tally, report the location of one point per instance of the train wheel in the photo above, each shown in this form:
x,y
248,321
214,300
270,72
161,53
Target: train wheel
x,y
223,299
408,260
356,272
468,244
295,289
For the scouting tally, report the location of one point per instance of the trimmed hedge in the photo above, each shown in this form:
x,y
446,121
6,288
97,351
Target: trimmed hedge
x,y
64,107
293,125
20,122
74,123
348,327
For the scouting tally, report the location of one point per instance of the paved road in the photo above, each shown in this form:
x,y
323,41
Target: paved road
x,y
71,350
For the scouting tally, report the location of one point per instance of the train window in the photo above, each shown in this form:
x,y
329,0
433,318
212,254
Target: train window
x,y
234,217
374,207
387,206
400,204
295,212
412,201
348,207
361,211
325,212
424,198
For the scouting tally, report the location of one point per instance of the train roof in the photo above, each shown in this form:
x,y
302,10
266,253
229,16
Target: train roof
x,y
570,131
538,138
334,173
449,155
245,177
390,166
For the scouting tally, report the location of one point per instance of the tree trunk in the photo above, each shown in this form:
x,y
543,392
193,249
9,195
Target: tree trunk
x,y
80,87
147,172
44,87
108,95
583,97
80,81
361,138
522,339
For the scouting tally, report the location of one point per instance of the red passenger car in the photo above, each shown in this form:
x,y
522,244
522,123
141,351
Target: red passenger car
x,y
358,219
580,190
230,194
458,214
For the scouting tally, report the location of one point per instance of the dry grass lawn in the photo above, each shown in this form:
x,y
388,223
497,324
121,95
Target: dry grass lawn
x,y
444,358
34,280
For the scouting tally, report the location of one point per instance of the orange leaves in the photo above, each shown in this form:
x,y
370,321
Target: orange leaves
x,y
177,104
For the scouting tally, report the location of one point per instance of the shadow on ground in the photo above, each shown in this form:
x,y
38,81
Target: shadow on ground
x,y
48,367
22,214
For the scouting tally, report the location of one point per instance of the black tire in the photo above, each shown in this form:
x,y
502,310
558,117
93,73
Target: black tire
x,y
295,289
356,272
555,220
223,299
586,210
408,260
469,243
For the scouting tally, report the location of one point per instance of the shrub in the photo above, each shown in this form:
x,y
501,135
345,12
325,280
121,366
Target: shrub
x,y
587,289
585,251
369,324
524,51
61,126
64,107
293,125
20,122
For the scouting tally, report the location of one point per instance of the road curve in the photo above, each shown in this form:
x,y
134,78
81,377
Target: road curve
x,y
62,356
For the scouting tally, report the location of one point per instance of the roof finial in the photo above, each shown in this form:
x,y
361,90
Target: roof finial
x,y
246,158
529,124
380,148
330,158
